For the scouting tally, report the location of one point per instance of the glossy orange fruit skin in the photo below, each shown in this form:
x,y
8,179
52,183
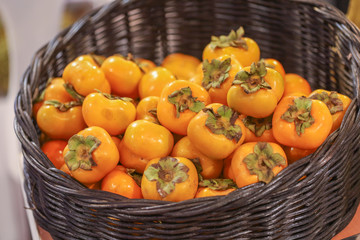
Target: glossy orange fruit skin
x,y
119,182
183,66
85,77
294,83
208,192
211,168
114,115
123,75
153,82
53,149
60,125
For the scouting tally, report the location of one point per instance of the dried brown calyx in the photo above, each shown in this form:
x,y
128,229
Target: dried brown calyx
x,y
80,152
300,114
254,80
223,122
331,100
262,161
215,72
183,100
63,107
258,125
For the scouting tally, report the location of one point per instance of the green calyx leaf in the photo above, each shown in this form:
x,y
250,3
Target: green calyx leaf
x,y
331,100
262,161
218,184
74,94
234,39
215,73
63,107
136,176
114,97
268,65
299,114
80,152
254,80
167,173
183,100
258,125
223,122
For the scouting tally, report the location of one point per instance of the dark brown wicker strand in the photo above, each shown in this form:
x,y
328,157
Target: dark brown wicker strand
x,y
310,38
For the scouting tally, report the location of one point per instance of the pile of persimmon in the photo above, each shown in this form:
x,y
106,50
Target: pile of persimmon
x,y
186,128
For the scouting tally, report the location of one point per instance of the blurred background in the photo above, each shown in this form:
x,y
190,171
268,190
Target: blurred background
x,y
25,26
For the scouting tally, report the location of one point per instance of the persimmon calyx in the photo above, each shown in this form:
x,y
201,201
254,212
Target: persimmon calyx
x,y
218,184
300,114
80,152
262,161
62,107
331,100
98,59
258,125
254,80
223,122
167,173
136,176
215,72
114,97
234,39
73,93
268,65
183,100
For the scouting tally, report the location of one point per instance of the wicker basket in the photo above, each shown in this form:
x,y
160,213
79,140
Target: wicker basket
x,y
310,38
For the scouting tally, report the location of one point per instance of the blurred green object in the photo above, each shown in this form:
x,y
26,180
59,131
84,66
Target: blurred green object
x,y
4,62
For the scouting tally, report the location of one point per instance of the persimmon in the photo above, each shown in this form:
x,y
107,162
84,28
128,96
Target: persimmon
x,y
146,109
91,154
257,162
145,64
293,154
183,66
210,168
256,91
294,83
169,178
146,140
85,78
110,112
53,149
245,50
275,64
119,182
179,102
123,75
218,75
215,187
216,131
153,82
301,122
208,192
60,120
131,159
337,104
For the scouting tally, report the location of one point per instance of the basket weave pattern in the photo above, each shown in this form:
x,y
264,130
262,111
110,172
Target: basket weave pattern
x,y
310,38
